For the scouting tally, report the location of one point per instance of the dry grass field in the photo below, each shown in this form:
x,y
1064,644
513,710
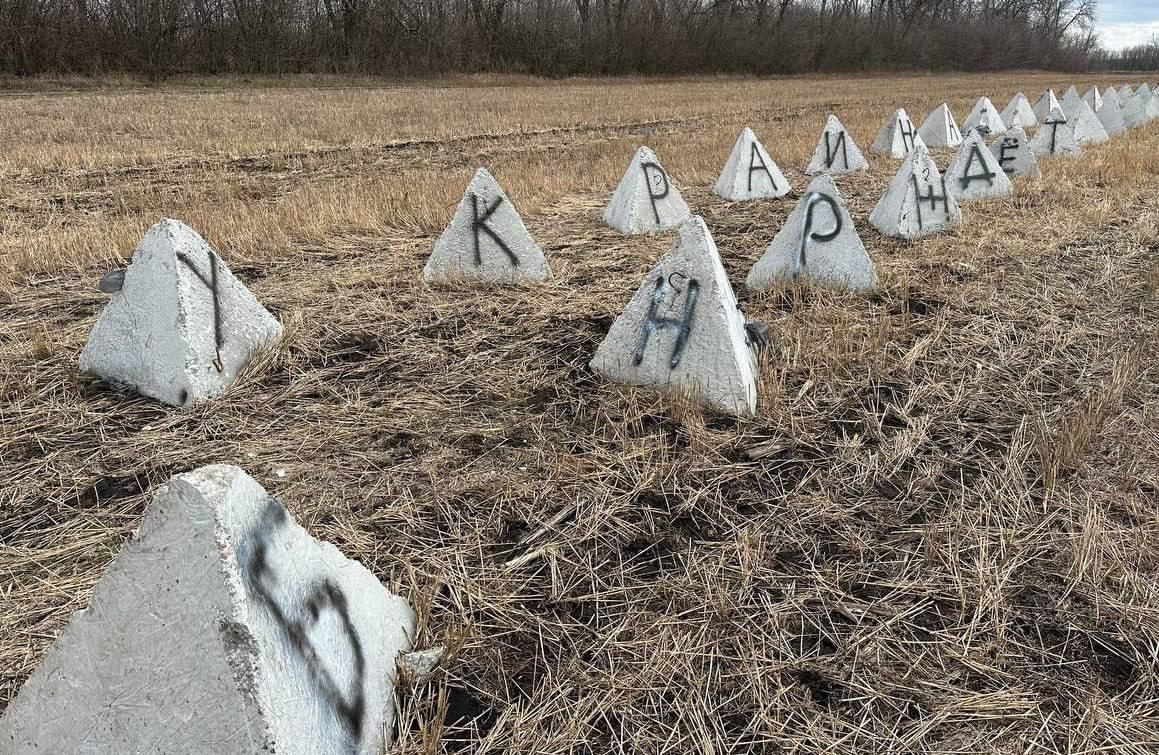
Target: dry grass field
x,y
940,534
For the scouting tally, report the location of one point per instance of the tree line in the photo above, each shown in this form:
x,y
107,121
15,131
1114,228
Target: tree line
x,y
544,37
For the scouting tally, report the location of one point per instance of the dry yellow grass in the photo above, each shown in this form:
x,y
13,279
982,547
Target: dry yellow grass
x,y
938,535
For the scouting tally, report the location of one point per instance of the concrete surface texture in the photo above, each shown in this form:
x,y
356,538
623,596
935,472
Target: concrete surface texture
x,y
917,202
486,241
818,243
1055,137
939,129
1110,93
182,326
1019,113
750,173
1142,107
221,627
836,152
1110,115
1045,104
682,330
1012,151
647,200
897,137
1094,99
1083,122
984,117
974,173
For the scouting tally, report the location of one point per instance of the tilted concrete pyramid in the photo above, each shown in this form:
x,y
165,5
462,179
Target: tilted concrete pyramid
x,y
818,243
682,329
984,117
646,201
898,137
1094,99
917,202
182,326
486,241
221,627
1013,152
1019,113
940,129
974,173
1084,123
1111,116
750,173
1045,104
836,152
1055,137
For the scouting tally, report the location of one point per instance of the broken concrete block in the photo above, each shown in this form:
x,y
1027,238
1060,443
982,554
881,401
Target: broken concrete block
x,y
1083,122
1045,104
1111,116
940,129
181,326
221,627
836,152
1013,152
750,173
1055,137
682,330
818,243
486,241
1019,113
646,201
984,117
898,137
1094,99
974,173
917,202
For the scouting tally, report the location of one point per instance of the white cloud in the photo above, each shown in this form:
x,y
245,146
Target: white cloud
x,y
1118,36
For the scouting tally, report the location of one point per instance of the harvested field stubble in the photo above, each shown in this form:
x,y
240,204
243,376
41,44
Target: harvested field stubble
x,y
940,533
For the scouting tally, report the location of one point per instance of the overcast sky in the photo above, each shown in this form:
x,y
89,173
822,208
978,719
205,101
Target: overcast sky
x,y
1123,23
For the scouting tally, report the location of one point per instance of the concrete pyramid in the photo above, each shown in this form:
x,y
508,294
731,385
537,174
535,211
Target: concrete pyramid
x,y
683,331
646,201
750,173
836,152
1125,93
1111,116
1055,137
940,129
1018,112
818,242
1070,95
917,202
1110,93
1014,154
984,117
181,326
486,241
1084,123
897,137
1094,99
974,173
1141,108
221,627
1045,104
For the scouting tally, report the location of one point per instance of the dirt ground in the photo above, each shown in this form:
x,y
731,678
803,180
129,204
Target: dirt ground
x,y
940,533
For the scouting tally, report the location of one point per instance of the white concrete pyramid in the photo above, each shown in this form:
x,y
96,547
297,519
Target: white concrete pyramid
x,y
1045,104
917,202
819,243
486,241
221,627
1141,108
1084,123
974,173
836,152
1070,95
682,329
1013,152
1111,116
1110,93
1094,99
984,117
1125,93
181,326
1018,112
1055,137
898,137
646,201
940,129
750,173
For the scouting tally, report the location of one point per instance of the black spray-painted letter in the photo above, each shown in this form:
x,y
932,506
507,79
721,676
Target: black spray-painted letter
x,y
655,180
479,225
210,282
812,199
654,322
